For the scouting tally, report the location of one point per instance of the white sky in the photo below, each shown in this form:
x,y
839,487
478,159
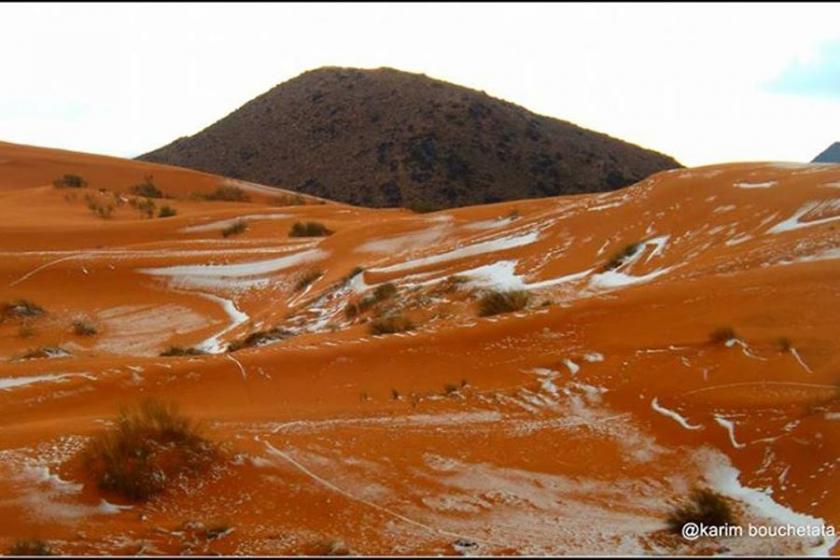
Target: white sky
x,y
689,80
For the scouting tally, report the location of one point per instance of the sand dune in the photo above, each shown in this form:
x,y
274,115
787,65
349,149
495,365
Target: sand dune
x,y
568,426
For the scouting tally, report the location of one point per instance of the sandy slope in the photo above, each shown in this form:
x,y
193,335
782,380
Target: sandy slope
x,y
568,427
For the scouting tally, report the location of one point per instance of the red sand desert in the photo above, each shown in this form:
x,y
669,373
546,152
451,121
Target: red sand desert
x,y
571,426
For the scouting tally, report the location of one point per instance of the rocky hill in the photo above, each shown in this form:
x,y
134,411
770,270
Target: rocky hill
x,y
390,138
830,155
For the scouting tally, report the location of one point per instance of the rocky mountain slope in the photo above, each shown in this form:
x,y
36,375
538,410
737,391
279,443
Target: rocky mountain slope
x,y
829,155
390,138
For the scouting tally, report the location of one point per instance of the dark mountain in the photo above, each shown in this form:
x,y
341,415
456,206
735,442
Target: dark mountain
x,y
390,138
830,155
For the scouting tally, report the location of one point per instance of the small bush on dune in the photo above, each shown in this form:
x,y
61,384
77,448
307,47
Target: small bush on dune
x,y
149,446
20,309
229,193
84,327
147,188
101,208
496,302
259,338
167,212
703,506
618,258
380,293
182,351
309,229
237,227
30,547
307,278
146,206
69,182
722,335
44,352
390,324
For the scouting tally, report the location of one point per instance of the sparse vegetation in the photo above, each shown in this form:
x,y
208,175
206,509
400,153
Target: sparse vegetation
x,y
237,227
307,278
496,302
166,212
704,507
722,335
395,394
21,309
618,258
102,208
259,338
44,352
450,388
69,182
229,193
389,324
309,229
147,188
30,547
150,445
146,206
183,351
84,327
380,293
784,344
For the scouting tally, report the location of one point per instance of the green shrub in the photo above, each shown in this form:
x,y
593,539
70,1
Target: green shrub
x,y
237,227
722,335
167,212
309,229
30,547
147,188
69,182
497,302
703,507
150,446
389,324
229,193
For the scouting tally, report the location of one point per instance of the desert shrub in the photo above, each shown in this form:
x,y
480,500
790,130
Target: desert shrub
x,y
44,352
183,351
147,188
146,206
497,302
450,388
379,294
102,208
69,181
307,278
722,334
21,309
619,257
84,327
229,193
167,212
395,394
389,324
259,338
784,344
309,229
150,445
703,506
30,547
235,228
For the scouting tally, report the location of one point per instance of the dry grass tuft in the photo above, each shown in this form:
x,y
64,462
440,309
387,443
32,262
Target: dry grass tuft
x,y
496,302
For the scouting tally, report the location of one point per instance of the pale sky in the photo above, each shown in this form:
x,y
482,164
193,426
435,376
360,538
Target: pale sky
x,y
703,83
